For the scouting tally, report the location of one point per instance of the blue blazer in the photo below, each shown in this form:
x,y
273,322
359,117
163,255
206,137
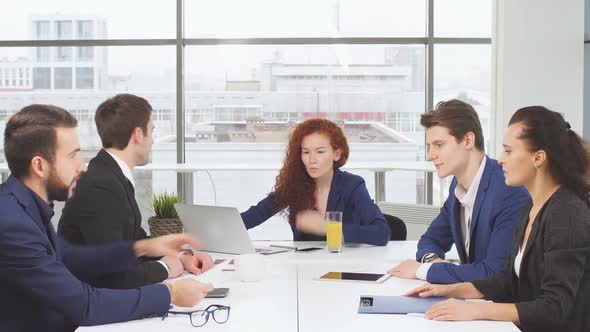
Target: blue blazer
x,y
362,221
493,223
39,285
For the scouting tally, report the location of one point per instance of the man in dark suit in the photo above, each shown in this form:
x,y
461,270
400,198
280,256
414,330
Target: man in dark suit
x,y
481,212
104,209
38,270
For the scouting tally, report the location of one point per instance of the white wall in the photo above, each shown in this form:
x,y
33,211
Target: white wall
x,y
587,73
539,52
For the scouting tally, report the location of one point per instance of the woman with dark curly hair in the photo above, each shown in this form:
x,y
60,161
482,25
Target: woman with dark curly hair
x,y
311,183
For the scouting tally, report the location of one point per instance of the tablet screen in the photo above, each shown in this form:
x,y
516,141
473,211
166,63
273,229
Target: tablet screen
x,y
352,276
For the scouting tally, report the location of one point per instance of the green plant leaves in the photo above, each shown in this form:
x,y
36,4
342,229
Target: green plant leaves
x,y
163,205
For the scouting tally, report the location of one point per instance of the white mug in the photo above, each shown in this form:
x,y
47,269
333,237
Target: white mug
x,y
250,267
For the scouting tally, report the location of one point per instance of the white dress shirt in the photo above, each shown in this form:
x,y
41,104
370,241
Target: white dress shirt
x,y
124,168
517,262
467,201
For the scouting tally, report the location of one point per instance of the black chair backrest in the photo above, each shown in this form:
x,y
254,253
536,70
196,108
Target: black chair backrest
x,y
399,232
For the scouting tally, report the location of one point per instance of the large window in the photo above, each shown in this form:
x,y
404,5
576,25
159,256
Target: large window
x,y
462,18
242,100
84,78
63,30
85,53
463,71
85,29
41,78
126,19
42,31
250,71
305,18
63,78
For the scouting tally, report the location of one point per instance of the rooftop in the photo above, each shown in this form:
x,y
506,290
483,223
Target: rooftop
x,y
257,130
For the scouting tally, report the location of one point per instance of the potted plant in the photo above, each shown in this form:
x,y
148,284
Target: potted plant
x,y
165,219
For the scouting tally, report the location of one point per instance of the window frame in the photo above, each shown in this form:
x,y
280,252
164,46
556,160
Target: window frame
x,y
429,41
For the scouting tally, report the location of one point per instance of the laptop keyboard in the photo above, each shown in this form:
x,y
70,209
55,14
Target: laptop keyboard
x,y
263,250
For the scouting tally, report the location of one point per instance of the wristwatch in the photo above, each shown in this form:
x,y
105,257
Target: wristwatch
x,y
429,257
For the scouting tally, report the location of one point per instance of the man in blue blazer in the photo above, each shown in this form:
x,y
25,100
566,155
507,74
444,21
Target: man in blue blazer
x,y
39,271
481,212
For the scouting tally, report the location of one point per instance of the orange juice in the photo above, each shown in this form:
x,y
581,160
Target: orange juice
x,y
334,236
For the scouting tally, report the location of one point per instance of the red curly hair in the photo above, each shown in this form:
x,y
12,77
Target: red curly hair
x,y
294,188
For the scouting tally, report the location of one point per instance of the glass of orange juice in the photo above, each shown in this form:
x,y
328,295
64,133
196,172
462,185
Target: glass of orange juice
x,y
334,232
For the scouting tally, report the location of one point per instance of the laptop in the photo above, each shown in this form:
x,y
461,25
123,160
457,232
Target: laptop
x,y
219,229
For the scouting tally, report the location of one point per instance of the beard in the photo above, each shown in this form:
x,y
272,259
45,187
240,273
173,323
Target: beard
x,y
57,190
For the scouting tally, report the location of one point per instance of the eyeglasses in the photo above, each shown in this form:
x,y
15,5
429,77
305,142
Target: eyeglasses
x,y
199,318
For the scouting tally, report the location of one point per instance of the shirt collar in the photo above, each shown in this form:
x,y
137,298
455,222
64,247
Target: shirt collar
x,y
468,198
124,168
45,210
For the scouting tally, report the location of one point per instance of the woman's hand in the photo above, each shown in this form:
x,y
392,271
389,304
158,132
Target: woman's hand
x,y
310,222
455,310
430,290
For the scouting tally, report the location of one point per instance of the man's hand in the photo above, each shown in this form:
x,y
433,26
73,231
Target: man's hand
x,y
197,264
440,260
188,292
430,290
464,290
407,269
167,245
174,265
310,222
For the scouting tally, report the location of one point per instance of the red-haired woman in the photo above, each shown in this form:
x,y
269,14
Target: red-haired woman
x,y
311,183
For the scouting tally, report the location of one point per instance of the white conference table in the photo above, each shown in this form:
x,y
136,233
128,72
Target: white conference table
x,y
290,298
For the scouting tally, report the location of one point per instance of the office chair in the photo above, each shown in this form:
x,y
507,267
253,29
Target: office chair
x,y
399,232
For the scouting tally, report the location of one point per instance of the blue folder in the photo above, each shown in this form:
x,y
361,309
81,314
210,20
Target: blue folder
x,y
370,304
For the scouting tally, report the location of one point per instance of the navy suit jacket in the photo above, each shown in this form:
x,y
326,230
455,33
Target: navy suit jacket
x,y
362,221
493,224
39,285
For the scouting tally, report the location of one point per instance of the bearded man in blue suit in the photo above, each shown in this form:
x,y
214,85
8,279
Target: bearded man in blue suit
x,y
39,272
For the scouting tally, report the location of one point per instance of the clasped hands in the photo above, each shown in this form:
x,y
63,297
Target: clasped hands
x,y
175,256
186,292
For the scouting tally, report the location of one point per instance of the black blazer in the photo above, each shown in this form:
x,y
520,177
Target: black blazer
x,y
553,291
103,210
